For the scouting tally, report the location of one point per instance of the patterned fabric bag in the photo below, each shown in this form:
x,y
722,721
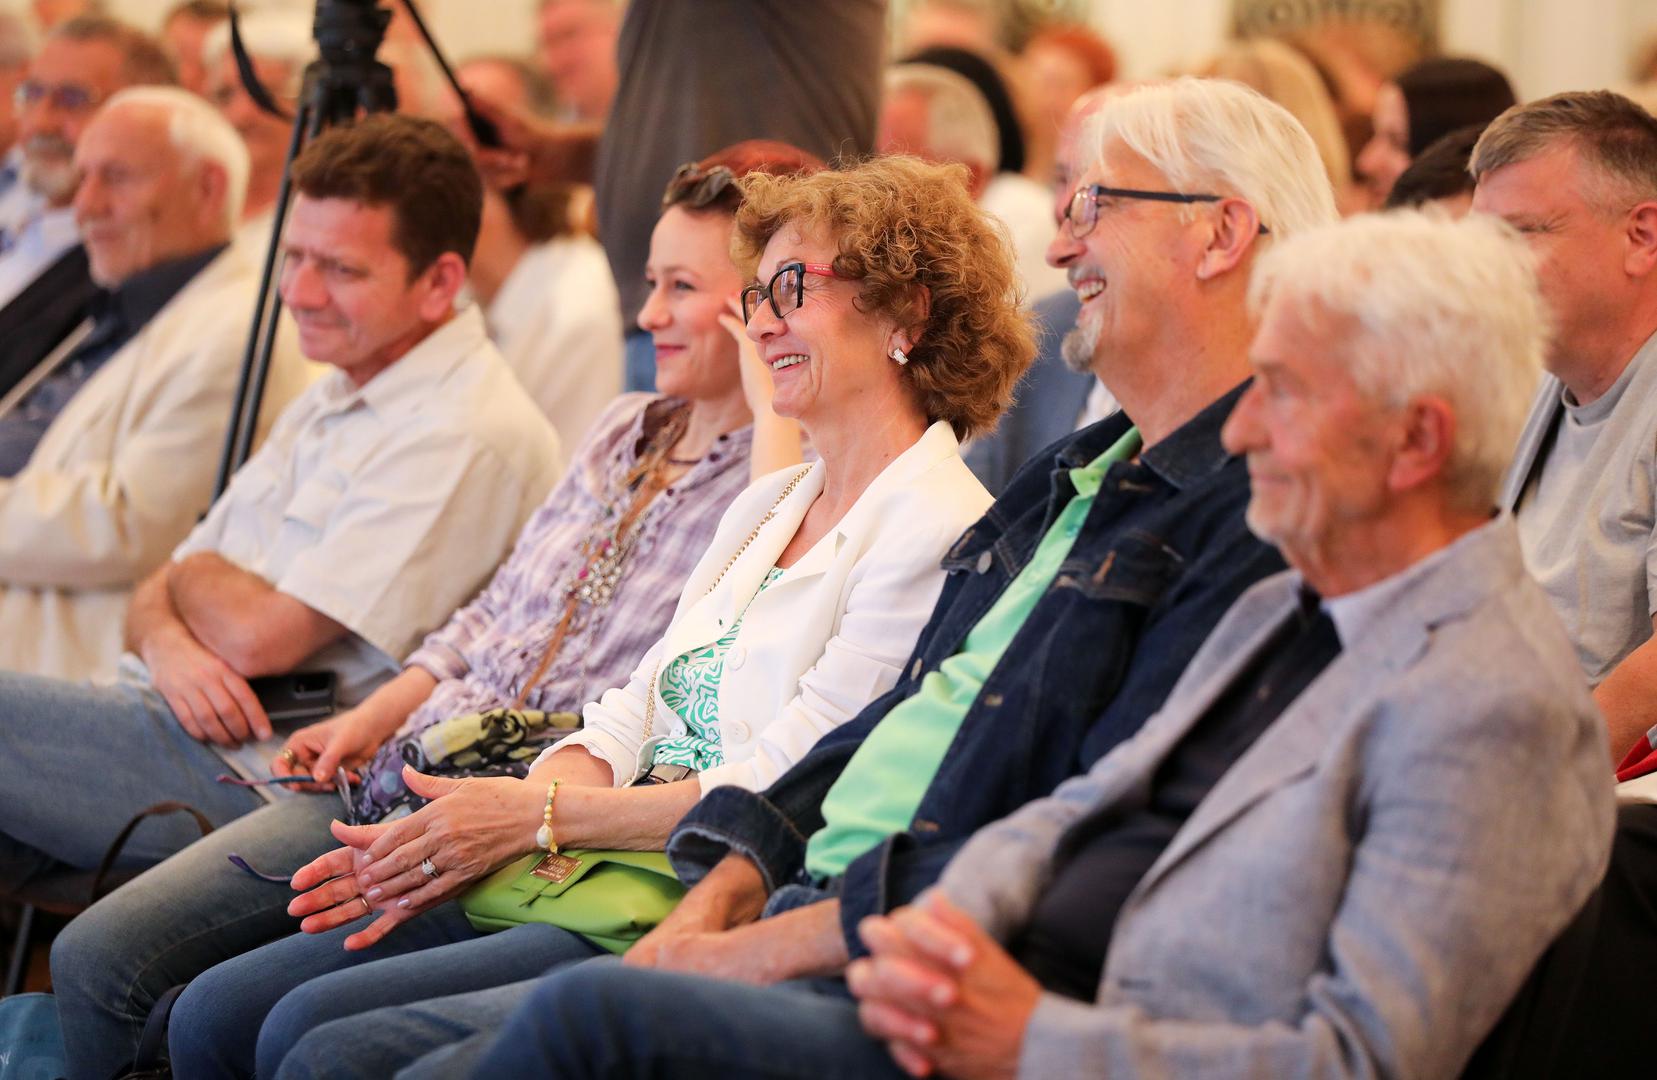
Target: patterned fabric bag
x,y
500,742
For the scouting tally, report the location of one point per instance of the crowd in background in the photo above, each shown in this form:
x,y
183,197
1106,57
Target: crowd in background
x,y
1024,572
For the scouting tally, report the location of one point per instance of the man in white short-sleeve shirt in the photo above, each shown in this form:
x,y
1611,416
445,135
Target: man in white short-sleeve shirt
x,y
1576,174
382,500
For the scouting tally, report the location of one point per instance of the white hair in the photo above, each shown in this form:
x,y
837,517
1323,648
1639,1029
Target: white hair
x,y
1220,137
199,133
1437,306
959,123
283,37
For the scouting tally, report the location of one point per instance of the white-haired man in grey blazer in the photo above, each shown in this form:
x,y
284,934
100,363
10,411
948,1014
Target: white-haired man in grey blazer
x,y
1376,795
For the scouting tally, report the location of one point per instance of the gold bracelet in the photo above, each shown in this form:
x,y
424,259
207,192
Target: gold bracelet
x,y
543,835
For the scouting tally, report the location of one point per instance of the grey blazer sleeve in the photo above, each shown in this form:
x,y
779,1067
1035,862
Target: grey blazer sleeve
x,y
1474,843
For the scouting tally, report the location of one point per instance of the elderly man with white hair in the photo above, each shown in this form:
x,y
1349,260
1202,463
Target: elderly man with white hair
x,y
938,114
1311,861
44,284
107,449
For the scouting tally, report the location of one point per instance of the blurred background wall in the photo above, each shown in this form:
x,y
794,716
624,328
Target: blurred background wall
x,y
1546,45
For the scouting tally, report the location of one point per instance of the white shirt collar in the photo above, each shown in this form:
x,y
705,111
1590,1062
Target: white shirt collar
x,y
418,371
1355,612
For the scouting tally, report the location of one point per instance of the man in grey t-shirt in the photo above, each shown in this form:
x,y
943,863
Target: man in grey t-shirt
x,y
1577,175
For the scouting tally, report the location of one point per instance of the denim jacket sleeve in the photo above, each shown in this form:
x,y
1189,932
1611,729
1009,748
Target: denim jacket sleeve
x,y
771,827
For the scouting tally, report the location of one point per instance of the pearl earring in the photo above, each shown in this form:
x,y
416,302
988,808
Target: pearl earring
x,y
899,355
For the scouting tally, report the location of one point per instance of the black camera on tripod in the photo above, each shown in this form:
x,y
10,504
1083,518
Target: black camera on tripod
x,y
347,79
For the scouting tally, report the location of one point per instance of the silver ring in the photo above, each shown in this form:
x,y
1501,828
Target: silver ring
x,y
427,868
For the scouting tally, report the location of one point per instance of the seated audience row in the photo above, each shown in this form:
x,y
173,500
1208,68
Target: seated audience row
x,y
379,503
1232,705
818,706
591,582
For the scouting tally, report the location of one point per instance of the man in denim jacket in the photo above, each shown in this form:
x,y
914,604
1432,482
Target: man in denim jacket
x,y
1158,241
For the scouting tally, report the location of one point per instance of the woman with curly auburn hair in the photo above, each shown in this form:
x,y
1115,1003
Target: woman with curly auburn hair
x,y
896,249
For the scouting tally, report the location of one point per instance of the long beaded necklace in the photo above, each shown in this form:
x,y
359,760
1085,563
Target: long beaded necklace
x,y
605,552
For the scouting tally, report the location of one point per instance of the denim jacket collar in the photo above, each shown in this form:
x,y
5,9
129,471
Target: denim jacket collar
x,y
1194,452
1190,454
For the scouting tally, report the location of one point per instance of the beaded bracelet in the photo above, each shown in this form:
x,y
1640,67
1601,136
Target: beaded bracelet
x,y
543,835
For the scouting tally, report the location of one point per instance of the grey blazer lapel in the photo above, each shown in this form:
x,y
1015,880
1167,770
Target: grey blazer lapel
x,y
1544,410
1477,566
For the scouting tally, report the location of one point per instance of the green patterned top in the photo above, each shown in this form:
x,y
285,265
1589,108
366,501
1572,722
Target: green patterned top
x,y
690,686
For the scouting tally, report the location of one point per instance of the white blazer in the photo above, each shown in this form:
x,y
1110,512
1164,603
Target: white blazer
x,y
124,472
820,643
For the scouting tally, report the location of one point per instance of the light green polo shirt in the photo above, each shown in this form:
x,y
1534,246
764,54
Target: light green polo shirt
x,y
882,785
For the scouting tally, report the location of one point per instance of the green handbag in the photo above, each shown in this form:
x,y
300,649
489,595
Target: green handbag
x,y
623,895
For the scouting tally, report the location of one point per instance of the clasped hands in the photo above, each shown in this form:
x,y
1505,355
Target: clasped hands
x,y
470,828
942,994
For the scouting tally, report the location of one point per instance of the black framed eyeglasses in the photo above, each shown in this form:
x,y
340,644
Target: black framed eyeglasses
x,y
65,97
1083,211
785,290
695,187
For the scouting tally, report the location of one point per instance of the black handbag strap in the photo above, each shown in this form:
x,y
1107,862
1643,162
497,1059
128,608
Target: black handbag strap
x,y
151,1062
160,809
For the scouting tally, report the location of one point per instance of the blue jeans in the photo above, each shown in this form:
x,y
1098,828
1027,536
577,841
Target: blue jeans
x,y
176,921
285,989
77,761
607,1019
431,1038
640,359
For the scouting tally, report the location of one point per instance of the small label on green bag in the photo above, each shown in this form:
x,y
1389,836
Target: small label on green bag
x,y
556,868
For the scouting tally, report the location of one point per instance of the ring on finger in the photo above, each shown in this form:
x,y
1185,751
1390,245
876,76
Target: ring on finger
x,y
289,756
367,909
428,868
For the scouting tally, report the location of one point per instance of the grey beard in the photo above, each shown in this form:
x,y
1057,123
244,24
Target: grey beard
x,y
49,174
1076,350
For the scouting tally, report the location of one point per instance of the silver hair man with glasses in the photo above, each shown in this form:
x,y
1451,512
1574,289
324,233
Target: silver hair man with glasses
x,y
1576,174
1311,861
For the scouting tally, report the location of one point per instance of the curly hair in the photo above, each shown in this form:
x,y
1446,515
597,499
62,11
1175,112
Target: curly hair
x,y
926,256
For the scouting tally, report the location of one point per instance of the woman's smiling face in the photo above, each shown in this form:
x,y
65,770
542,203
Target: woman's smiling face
x,y
691,279
827,358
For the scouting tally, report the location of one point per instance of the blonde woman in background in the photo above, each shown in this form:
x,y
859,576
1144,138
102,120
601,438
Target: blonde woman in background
x,y
1284,75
